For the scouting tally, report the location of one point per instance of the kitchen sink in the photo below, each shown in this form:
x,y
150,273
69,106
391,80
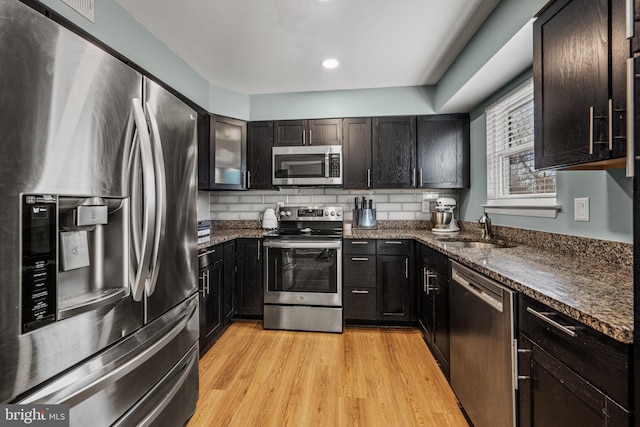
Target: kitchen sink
x,y
462,242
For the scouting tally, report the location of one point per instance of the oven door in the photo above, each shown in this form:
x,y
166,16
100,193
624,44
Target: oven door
x,y
305,272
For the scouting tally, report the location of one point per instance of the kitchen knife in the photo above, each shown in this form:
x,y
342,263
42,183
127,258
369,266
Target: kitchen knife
x,y
355,201
370,203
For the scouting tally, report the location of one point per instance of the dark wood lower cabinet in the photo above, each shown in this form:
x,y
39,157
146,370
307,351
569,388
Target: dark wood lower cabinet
x,y
211,278
551,394
248,298
394,288
569,374
229,250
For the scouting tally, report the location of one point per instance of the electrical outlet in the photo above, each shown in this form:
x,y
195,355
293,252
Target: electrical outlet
x,y
581,209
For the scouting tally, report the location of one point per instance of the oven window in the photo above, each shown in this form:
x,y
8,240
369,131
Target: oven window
x,y
302,270
299,166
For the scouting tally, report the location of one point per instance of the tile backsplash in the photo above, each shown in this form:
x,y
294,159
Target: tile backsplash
x,y
389,204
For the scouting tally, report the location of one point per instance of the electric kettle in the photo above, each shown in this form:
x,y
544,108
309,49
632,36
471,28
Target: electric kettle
x,y
269,219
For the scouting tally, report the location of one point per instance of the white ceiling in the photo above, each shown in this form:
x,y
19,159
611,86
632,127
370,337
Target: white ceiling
x,y
276,46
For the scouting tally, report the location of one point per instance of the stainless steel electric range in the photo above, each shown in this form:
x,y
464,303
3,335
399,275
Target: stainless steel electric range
x,y
303,270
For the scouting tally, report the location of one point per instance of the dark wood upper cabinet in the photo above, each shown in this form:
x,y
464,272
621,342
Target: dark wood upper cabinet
x,y
259,164
289,132
579,68
308,132
394,152
356,151
443,151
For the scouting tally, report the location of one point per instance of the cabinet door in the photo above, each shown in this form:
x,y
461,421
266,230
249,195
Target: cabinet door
x,y
325,132
228,153
571,77
443,151
248,291
259,163
229,249
290,132
357,153
551,394
394,152
440,342
426,316
394,288
203,152
211,280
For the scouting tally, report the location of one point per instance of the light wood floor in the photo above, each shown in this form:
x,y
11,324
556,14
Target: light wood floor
x,y
364,377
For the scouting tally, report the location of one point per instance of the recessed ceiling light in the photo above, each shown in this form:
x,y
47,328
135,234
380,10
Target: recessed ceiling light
x,y
330,63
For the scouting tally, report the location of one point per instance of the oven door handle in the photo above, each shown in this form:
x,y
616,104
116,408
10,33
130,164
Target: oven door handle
x,y
302,245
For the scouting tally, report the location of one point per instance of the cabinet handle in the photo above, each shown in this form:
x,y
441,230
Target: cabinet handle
x,y
610,139
413,178
248,179
359,291
259,249
310,137
359,259
392,242
428,275
304,137
420,181
406,268
590,130
205,283
523,377
212,251
631,80
359,243
368,178
630,18
569,330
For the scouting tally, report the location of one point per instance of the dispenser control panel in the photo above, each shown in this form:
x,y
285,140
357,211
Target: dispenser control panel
x,y
39,271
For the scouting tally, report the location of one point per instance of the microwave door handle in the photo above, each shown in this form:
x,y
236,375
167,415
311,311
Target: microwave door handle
x,y
161,199
327,169
141,275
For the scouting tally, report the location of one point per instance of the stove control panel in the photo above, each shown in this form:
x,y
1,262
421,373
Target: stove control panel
x,y
310,213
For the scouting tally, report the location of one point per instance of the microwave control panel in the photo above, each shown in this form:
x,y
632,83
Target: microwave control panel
x,y
334,165
39,260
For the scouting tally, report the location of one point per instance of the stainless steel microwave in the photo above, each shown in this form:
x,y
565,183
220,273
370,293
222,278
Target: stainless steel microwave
x,y
319,165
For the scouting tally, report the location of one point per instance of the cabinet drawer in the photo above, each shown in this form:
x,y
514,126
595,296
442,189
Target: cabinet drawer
x,y
360,270
393,247
357,246
599,359
208,256
359,303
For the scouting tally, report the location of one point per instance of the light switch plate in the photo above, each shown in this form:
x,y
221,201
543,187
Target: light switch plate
x,y
581,209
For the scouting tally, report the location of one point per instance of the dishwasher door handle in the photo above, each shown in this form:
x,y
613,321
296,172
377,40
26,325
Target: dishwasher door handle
x,y
477,290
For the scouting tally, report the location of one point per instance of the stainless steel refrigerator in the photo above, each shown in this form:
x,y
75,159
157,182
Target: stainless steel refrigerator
x,y
98,252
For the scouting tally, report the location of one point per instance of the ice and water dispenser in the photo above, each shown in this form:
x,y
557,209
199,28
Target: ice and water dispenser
x,y
74,256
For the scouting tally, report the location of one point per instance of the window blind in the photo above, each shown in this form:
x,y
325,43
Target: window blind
x,y
510,160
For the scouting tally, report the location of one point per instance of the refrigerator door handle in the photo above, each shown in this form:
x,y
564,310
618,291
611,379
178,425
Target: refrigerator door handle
x,y
161,199
145,240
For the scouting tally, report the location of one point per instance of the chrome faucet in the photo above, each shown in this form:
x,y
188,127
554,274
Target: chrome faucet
x,y
485,226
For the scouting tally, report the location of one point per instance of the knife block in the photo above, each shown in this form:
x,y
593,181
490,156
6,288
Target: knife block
x,y
364,218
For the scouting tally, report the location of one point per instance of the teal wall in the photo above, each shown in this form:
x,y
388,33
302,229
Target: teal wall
x,y
346,103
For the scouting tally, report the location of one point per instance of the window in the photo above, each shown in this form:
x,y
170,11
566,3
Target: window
x,y
513,185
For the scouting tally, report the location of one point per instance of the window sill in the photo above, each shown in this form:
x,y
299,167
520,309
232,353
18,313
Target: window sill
x,y
550,211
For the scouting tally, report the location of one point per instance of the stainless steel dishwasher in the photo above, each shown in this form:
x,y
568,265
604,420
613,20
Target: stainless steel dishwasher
x,y
483,348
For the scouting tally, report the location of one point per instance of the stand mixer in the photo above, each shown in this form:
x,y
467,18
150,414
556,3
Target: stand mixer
x,y
442,218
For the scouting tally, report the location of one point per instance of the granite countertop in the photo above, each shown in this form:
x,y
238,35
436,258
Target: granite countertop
x,y
598,294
